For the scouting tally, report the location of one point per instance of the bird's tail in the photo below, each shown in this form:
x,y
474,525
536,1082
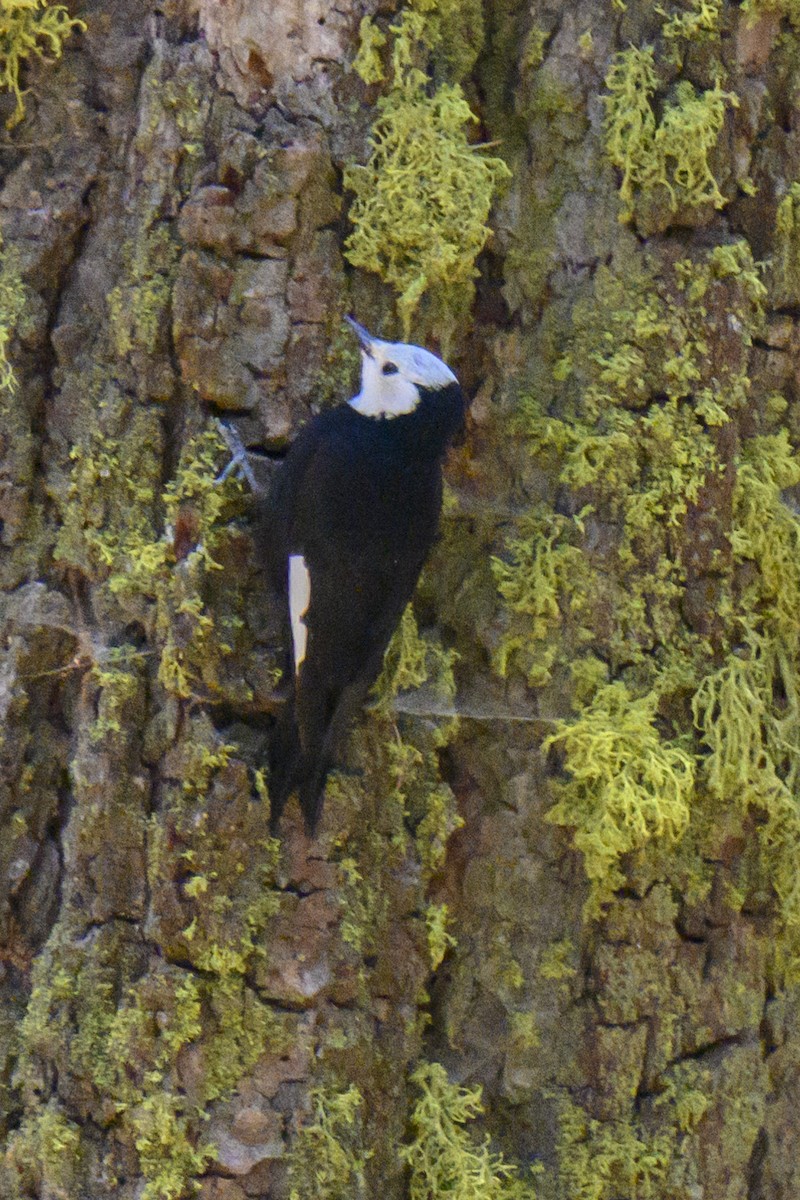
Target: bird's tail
x,y
285,761
301,762
312,793
291,769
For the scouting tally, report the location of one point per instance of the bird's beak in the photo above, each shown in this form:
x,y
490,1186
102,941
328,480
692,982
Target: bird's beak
x,y
364,338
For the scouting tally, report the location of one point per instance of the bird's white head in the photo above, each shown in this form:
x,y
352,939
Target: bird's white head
x,y
392,374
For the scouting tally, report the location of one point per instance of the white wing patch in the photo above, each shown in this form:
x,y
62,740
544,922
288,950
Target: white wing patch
x,y
299,600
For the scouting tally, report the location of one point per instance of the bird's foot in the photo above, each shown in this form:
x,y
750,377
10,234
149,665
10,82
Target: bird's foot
x,y
239,464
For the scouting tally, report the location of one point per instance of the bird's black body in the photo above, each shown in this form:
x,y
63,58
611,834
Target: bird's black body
x,y
358,498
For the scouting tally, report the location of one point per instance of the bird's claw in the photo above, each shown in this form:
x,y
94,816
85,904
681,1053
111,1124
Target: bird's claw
x,y
239,464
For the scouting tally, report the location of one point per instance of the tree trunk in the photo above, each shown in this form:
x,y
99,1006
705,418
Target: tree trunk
x,y
561,857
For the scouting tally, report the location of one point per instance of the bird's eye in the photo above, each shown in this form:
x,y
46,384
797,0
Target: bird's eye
x,y
389,368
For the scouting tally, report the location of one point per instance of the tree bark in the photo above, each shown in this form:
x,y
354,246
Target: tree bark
x,y
572,881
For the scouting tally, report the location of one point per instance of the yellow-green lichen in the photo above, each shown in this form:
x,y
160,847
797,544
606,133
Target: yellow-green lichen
x,y
748,710
127,1052
650,1150
781,8
525,1033
442,1157
634,466
12,303
603,1160
149,1100
627,783
410,222
684,659
30,28
111,494
555,961
359,905
686,1095
144,542
394,813
541,576
533,51
454,34
118,1031
440,820
440,940
786,260
228,879
413,661
670,153
695,23
168,1158
328,1158
114,1048
174,107
45,1152
118,679
450,32
137,305
367,62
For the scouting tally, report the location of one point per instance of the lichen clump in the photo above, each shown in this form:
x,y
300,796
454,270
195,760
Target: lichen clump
x,y
442,1156
699,21
123,531
601,1160
412,661
118,1032
636,464
541,576
781,8
12,304
747,711
786,260
328,1157
422,200
627,784
672,153
30,28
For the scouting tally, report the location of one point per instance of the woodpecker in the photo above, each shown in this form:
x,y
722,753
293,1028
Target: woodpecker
x,y
344,532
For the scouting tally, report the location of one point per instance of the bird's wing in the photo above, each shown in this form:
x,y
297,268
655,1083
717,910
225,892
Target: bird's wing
x,y
313,532
348,561
277,509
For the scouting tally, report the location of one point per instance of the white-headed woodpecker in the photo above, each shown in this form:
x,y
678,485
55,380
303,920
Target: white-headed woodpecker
x,y
346,528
